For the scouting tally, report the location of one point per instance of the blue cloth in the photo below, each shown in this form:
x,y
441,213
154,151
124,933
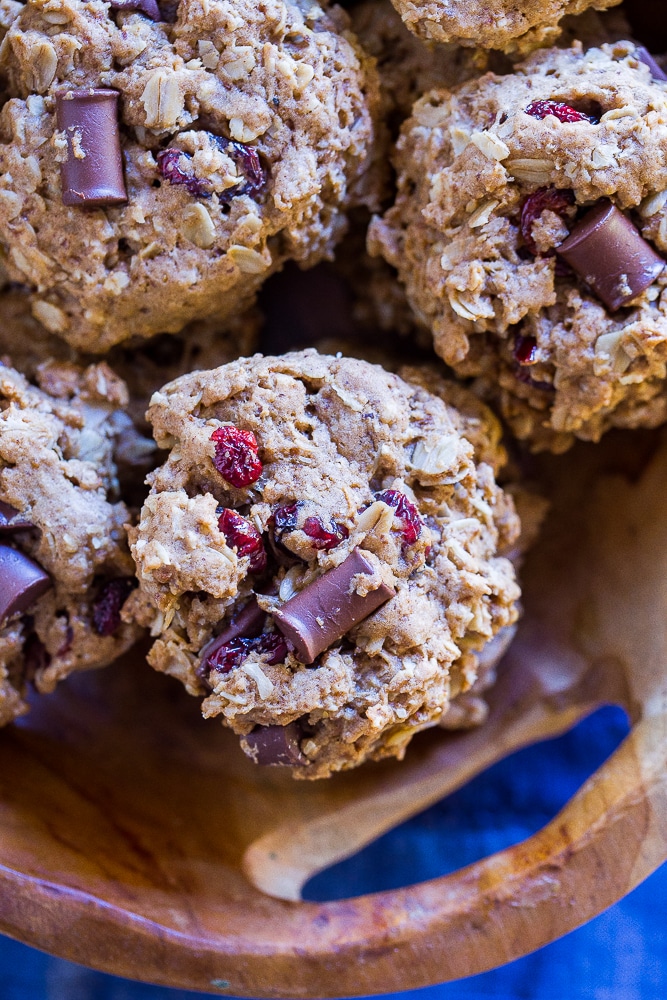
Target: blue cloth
x,y
621,955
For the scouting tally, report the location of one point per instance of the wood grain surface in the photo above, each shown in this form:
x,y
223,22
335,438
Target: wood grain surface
x,y
138,839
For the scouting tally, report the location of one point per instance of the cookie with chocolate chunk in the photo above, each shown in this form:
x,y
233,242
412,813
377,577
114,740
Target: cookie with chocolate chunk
x,y
155,172
320,557
65,567
529,230
511,25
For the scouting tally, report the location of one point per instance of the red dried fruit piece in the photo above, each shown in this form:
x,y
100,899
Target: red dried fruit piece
x,y
247,160
563,112
321,538
242,535
406,512
525,350
285,519
273,643
230,655
108,604
234,652
550,199
169,165
236,457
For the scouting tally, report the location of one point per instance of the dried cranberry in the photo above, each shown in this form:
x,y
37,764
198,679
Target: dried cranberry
x,y
406,512
273,643
285,519
563,112
244,537
108,604
234,652
321,538
169,165
236,457
525,350
247,160
230,655
553,199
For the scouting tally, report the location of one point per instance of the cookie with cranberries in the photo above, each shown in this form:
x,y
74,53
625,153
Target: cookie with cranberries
x,y
158,169
320,558
65,567
530,233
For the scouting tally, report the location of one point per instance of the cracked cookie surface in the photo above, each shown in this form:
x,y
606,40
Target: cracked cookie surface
x,y
244,134
490,184
281,472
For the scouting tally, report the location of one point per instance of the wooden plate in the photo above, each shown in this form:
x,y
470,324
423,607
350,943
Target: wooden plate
x,y
137,839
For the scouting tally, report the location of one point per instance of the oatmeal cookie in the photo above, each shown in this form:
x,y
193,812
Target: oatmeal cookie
x,y
408,66
157,172
144,366
201,344
65,568
511,25
530,231
320,557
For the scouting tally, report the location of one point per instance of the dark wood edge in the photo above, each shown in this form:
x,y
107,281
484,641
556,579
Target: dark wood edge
x,y
594,852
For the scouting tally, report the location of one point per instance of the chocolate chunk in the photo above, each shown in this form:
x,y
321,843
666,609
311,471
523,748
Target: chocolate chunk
x,y
12,519
93,171
644,56
325,610
147,7
611,255
22,581
275,745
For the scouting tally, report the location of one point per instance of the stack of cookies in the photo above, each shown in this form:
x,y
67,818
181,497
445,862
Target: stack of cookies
x,y
322,548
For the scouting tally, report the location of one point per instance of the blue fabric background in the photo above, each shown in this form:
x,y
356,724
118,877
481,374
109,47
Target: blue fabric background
x,y
622,955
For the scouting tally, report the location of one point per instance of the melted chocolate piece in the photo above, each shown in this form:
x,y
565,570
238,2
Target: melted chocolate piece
x,y
147,7
611,255
93,171
12,519
323,612
275,745
644,56
22,582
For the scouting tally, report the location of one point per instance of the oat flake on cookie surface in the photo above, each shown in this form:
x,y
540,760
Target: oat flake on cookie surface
x,y
321,556
65,567
530,232
157,172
